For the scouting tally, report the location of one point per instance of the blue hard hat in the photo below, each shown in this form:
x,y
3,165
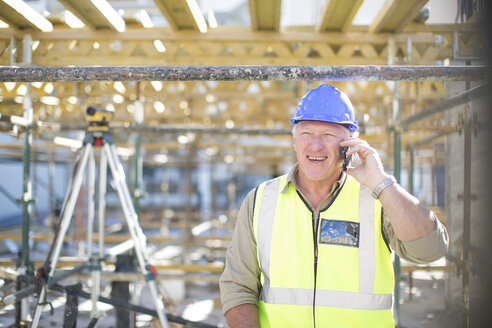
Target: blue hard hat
x,y
327,104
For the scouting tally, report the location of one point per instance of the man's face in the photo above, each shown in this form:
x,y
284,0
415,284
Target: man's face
x,y
317,146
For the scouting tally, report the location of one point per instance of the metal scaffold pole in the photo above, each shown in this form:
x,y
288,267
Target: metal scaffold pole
x,y
138,118
396,170
466,125
22,307
243,73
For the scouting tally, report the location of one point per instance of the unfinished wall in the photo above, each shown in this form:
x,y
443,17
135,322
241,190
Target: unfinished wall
x,y
480,187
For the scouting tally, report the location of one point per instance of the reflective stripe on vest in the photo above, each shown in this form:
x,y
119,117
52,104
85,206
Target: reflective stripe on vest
x,y
364,299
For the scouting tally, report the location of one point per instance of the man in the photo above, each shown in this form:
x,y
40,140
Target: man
x,y
310,248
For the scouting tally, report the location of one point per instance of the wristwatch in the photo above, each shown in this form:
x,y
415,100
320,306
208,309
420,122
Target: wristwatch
x,y
387,182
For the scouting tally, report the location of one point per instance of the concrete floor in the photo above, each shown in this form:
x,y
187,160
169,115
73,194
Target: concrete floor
x,y
426,308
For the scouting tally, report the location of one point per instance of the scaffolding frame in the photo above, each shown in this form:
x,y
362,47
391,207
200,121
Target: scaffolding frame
x,y
271,73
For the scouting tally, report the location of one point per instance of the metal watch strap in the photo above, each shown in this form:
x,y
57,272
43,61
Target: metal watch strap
x,y
387,182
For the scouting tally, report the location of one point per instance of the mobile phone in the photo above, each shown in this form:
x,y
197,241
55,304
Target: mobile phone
x,y
345,159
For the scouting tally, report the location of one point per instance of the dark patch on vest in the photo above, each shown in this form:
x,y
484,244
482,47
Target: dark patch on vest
x,y
337,232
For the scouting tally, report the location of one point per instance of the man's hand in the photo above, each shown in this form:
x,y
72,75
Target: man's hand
x,y
410,220
370,172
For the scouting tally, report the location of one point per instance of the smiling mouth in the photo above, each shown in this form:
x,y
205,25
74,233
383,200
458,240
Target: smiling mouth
x,y
316,158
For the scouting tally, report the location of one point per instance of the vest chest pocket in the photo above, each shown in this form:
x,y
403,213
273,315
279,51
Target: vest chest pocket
x,y
338,232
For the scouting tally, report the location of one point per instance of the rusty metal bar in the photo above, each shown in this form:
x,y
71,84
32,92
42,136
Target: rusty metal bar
x,y
460,99
237,73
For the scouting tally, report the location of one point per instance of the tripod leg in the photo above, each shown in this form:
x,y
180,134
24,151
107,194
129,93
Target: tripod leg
x,y
94,264
136,232
91,177
96,260
66,217
103,166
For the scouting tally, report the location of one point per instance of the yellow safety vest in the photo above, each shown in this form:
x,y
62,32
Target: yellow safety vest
x,y
338,274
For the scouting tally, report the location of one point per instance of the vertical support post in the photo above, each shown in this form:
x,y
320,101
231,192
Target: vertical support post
x,y
120,289
27,186
213,191
411,170
22,306
396,264
71,306
467,123
138,170
51,186
434,184
397,168
138,117
13,51
411,187
187,236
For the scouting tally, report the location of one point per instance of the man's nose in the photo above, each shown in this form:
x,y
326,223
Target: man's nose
x,y
317,142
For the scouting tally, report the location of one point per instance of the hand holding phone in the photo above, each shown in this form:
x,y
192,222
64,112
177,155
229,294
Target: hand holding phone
x,y
345,159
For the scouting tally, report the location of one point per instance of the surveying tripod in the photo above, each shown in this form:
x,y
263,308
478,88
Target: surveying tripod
x,y
98,135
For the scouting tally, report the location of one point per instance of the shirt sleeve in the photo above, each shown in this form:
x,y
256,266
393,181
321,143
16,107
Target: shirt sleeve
x,y
240,281
426,249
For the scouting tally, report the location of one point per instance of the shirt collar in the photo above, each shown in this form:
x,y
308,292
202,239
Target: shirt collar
x,y
291,178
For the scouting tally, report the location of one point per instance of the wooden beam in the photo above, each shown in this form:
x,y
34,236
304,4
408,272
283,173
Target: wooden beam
x,y
23,16
177,14
224,35
92,16
265,14
395,15
337,15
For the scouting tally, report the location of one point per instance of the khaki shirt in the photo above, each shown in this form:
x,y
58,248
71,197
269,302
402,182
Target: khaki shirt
x,y
240,281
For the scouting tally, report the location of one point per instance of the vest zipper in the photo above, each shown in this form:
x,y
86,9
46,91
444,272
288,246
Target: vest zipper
x,y
315,240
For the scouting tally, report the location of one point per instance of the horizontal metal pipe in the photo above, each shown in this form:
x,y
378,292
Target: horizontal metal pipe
x,y
429,139
10,299
112,301
134,276
460,99
138,308
214,268
239,73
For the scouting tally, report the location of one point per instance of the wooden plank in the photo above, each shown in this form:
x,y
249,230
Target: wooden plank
x,y
395,15
177,14
88,13
337,15
21,20
265,14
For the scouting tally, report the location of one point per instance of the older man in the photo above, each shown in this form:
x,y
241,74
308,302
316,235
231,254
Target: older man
x,y
312,248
